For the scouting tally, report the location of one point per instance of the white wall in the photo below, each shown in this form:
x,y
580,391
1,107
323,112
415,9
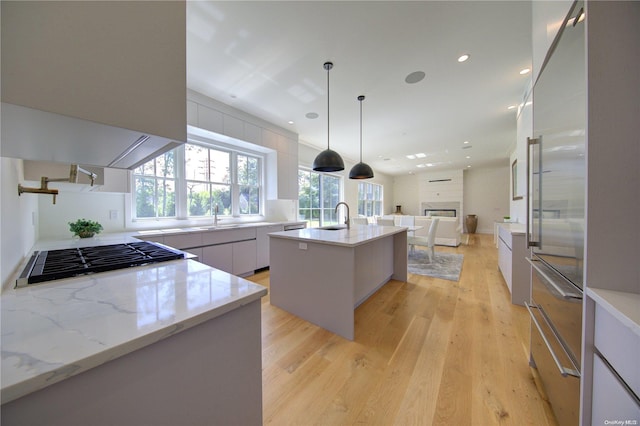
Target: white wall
x,y
306,155
487,194
433,186
70,206
18,219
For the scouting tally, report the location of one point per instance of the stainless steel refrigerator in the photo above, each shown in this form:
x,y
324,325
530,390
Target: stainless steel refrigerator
x,y
556,210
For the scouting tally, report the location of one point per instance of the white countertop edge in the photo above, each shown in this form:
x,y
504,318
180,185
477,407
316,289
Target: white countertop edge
x,y
37,382
624,306
348,237
513,227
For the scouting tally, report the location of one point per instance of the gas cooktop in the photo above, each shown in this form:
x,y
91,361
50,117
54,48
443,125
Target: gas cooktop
x,y
56,264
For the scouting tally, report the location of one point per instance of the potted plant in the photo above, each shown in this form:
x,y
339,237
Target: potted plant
x,y
85,228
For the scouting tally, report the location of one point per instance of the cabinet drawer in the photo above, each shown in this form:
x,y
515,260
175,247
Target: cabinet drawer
x,y
182,241
228,236
619,345
611,399
506,236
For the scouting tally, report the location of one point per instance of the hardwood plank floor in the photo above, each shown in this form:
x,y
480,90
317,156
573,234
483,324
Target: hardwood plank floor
x,y
426,352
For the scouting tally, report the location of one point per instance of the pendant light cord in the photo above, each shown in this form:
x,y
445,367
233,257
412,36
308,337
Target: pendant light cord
x,y
360,98
328,67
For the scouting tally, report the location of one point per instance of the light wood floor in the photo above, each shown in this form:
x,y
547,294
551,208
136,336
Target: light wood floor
x,y
426,352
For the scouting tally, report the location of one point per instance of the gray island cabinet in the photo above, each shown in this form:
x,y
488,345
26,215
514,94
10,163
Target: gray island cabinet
x,y
322,275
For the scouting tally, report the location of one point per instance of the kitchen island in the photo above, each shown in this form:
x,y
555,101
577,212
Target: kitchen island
x,y
169,343
322,275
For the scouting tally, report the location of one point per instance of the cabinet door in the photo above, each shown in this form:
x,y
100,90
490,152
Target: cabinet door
x,y
262,244
504,261
219,257
611,398
244,257
183,241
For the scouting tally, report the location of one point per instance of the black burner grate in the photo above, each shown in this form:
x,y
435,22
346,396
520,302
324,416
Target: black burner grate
x,y
66,263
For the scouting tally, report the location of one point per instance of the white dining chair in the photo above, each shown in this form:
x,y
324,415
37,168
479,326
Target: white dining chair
x,y
359,221
385,222
428,241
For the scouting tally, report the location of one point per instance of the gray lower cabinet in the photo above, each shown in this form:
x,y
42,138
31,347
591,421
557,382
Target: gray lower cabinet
x,y
230,250
262,244
219,256
237,258
244,257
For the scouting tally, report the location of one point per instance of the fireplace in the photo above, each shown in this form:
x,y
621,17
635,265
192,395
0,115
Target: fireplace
x,y
441,212
441,208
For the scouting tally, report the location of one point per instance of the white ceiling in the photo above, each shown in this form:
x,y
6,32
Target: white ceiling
x,y
266,58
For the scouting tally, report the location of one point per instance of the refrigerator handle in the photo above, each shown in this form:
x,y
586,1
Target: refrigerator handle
x,y
530,243
564,371
569,295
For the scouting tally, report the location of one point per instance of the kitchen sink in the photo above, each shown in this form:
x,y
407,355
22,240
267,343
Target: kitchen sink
x,y
334,227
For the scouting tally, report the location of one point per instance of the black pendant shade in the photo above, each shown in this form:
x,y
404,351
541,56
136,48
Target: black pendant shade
x,y
361,170
328,160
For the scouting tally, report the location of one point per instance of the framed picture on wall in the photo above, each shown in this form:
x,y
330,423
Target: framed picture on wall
x,y
514,181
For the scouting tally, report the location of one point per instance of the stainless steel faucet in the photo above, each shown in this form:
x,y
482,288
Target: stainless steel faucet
x,y
346,221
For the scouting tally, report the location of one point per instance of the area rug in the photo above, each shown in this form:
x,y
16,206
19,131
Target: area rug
x,y
445,265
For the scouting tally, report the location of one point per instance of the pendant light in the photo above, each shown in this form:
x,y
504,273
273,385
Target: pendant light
x,y
328,160
361,170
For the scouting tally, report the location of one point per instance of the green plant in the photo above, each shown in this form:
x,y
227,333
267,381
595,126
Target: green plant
x,y
85,227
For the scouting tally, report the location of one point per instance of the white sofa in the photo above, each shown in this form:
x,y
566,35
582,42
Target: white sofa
x,y
447,234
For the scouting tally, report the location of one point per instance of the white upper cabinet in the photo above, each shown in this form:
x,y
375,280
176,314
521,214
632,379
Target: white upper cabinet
x,y
120,64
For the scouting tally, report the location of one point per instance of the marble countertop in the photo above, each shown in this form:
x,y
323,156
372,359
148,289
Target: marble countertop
x,y
54,330
349,237
209,228
514,228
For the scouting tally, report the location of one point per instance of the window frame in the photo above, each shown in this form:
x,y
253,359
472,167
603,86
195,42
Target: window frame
x,y
181,196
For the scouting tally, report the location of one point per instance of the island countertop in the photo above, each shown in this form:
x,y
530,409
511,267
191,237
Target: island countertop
x,y
58,329
347,237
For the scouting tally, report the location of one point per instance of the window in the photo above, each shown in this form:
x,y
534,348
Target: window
x,y
318,195
208,180
369,199
155,187
248,178
195,178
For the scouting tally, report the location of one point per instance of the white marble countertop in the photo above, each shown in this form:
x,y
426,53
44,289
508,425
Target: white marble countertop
x,y
210,228
349,237
514,228
57,329
625,307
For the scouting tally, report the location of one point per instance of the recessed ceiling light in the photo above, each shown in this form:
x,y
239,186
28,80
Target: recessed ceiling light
x,y
429,164
421,165
290,122
469,166
463,57
465,142
525,71
468,156
311,115
421,155
411,157
414,77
